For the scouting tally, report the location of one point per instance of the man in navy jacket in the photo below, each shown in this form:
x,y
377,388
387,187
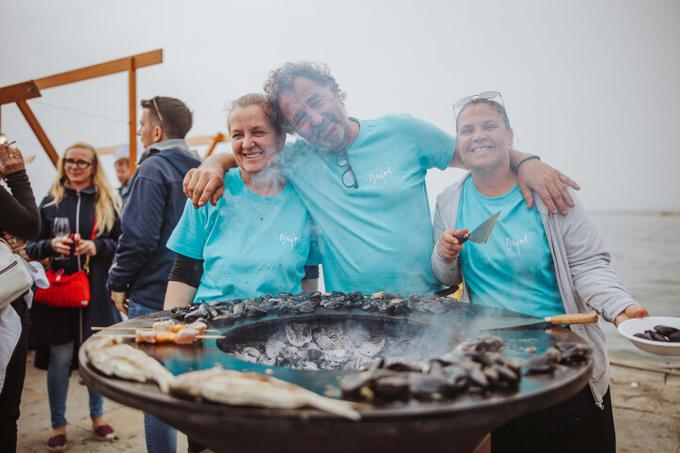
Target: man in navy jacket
x,y
139,275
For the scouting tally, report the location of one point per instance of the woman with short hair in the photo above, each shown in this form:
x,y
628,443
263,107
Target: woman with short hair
x,y
258,237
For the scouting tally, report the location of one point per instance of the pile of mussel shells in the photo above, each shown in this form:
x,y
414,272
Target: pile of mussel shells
x,y
664,334
474,367
287,303
564,353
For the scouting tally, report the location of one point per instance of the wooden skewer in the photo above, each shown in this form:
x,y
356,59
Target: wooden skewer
x,y
135,328
200,337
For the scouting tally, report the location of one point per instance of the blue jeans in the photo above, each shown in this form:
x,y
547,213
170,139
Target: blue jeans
x,y
160,437
58,373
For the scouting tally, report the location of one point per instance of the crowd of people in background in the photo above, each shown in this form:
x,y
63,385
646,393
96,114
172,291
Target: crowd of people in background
x,y
277,210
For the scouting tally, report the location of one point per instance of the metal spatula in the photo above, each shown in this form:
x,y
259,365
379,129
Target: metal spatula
x,y
511,323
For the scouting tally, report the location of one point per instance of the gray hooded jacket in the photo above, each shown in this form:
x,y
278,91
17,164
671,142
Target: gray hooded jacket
x,y
585,279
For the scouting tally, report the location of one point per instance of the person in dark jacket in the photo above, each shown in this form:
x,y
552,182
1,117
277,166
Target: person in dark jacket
x,y
83,195
139,276
19,219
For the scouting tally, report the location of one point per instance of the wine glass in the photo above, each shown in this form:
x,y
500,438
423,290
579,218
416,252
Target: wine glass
x,y
61,230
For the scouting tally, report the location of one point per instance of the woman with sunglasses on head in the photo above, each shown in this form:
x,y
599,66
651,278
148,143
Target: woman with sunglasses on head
x,y
83,199
258,237
534,262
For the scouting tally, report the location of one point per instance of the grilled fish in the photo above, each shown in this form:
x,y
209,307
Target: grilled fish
x,y
112,357
252,389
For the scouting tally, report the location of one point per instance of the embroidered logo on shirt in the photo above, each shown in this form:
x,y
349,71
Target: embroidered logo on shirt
x,y
289,239
514,244
379,175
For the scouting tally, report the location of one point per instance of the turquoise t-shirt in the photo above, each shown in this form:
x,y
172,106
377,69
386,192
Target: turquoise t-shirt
x,y
514,269
377,236
251,244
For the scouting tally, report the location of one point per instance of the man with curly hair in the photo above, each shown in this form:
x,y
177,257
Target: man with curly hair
x,y
363,182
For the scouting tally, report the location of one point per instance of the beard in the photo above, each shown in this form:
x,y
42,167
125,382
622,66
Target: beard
x,y
329,136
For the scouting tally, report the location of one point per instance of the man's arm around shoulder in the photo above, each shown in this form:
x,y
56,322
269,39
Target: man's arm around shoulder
x,y
207,181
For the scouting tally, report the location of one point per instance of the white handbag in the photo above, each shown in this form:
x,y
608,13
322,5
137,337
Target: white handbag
x,y
15,279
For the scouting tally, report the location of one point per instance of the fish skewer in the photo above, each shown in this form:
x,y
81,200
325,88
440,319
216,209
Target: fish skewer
x,y
121,328
184,336
165,326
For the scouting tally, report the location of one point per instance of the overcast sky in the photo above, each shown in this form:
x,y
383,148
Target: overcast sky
x,y
589,85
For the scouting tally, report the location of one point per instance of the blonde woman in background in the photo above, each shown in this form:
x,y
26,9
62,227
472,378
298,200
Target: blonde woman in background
x,y
82,195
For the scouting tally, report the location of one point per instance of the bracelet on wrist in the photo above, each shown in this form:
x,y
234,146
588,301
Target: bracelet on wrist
x,y
532,156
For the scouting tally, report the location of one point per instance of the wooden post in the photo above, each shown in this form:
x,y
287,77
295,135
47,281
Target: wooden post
x,y
218,138
132,99
38,131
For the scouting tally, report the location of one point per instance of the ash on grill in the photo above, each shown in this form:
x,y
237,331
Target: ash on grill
x,y
328,345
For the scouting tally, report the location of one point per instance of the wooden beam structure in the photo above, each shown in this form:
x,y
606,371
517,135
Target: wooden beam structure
x,y
218,138
102,69
38,131
19,93
132,106
201,140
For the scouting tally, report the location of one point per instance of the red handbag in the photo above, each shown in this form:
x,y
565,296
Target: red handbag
x,y
66,291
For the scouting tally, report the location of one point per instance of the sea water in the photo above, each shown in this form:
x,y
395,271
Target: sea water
x,y
645,251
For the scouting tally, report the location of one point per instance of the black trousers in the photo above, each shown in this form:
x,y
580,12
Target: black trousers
x,y
10,398
193,446
576,425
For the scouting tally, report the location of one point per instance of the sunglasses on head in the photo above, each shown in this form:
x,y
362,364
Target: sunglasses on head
x,y
158,112
486,95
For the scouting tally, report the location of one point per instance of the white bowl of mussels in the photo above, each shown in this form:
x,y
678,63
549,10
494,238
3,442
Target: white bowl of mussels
x,y
655,334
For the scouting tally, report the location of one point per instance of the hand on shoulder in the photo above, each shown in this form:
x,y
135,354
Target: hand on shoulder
x,y
548,183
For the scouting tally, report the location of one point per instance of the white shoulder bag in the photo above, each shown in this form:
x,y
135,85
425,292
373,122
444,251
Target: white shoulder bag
x,y
15,279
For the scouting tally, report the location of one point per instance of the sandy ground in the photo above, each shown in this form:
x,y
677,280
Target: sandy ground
x,y
34,424
646,396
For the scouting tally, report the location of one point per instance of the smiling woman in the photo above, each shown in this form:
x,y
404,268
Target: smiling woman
x,y
534,262
255,141
82,198
257,238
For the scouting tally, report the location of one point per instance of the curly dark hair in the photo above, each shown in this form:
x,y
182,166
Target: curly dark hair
x,y
281,80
